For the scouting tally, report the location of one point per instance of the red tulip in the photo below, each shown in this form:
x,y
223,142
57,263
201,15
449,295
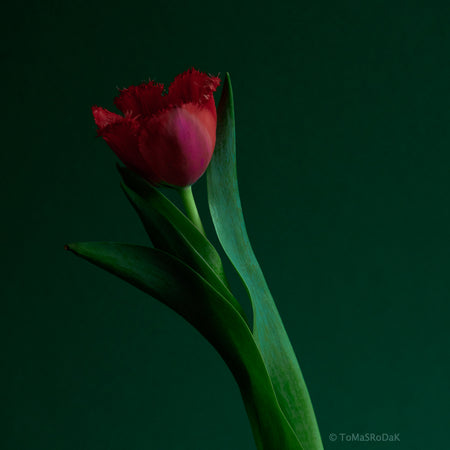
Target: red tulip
x,y
168,139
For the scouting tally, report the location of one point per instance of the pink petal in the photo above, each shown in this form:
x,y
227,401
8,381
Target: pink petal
x,y
178,144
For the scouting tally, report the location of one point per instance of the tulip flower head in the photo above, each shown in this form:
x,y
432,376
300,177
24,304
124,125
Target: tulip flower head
x,y
168,139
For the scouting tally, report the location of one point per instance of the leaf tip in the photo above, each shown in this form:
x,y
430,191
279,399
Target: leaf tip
x,y
71,247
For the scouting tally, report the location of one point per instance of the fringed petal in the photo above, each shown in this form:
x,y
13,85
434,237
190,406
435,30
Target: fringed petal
x,y
103,117
192,86
122,136
145,99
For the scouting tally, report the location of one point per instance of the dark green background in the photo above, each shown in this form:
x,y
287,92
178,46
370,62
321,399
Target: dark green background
x,y
343,125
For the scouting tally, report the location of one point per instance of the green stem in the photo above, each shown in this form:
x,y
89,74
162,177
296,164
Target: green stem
x,y
191,208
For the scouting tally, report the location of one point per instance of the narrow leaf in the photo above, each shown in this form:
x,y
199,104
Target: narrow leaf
x,y
157,200
170,230
268,329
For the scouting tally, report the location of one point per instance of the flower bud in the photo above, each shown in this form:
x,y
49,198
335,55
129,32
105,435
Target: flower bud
x,y
167,139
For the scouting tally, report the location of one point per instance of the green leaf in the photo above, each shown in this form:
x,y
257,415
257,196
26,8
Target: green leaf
x,y
170,230
156,200
268,329
178,286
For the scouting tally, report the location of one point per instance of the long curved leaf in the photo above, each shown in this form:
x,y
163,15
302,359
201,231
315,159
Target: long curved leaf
x,y
175,284
268,329
156,200
170,230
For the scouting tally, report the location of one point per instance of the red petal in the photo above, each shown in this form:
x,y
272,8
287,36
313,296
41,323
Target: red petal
x,y
192,86
122,135
145,99
103,117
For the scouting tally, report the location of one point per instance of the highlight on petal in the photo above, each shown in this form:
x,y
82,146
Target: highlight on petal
x,y
206,116
192,86
144,99
178,144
